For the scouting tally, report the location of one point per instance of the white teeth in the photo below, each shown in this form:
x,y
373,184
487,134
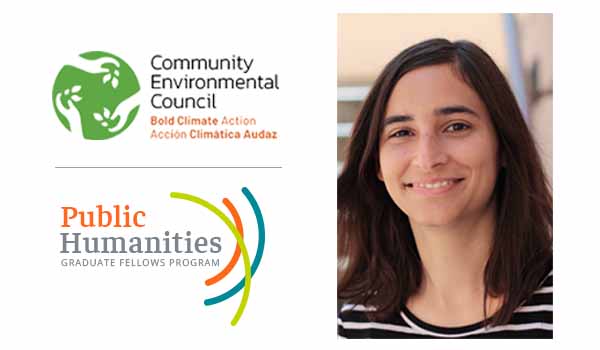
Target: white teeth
x,y
434,185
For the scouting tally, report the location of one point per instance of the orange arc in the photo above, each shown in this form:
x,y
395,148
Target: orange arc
x,y
236,255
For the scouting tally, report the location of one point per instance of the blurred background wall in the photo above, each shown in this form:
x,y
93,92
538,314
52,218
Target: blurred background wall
x,y
521,45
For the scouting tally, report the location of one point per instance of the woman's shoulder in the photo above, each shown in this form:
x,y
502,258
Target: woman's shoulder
x,y
356,321
542,297
354,313
536,313
351,316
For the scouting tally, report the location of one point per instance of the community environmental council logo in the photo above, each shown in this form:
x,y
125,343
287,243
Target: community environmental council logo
x,y
96,96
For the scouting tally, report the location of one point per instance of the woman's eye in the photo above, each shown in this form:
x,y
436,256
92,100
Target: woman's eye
x,y
456,127
401,133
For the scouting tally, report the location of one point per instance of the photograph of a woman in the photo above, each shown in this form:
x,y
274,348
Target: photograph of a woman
x,y
444,209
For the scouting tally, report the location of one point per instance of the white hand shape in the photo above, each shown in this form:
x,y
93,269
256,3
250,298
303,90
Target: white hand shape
x,y
107,66
70,111
95,66
122,111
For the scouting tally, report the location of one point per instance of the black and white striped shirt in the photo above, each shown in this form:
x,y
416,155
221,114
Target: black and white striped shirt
x,y
531,320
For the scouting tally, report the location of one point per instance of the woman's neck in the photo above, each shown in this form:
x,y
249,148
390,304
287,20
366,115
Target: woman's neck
x,y
454,258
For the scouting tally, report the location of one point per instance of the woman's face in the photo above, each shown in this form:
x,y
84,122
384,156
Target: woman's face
x,y
438,149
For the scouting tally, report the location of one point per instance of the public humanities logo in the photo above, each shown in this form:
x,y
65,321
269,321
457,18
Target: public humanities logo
x,y
237,229
88,245
96,96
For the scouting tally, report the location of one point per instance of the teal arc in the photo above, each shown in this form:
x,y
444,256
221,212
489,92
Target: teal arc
x,y
257,258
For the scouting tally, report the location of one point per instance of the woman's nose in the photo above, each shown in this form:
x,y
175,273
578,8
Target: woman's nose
x,y
430,153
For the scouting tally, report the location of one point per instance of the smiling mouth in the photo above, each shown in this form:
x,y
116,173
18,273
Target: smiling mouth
x,y
431,185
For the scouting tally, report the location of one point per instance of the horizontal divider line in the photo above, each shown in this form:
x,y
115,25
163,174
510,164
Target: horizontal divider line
x,y
168,167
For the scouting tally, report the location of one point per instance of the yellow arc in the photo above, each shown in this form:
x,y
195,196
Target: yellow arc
x,y
240,242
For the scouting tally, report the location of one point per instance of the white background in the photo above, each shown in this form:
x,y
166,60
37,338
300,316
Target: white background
x,y
293,297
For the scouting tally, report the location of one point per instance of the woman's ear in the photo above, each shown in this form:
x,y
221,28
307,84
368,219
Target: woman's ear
x,y
379,176
378,167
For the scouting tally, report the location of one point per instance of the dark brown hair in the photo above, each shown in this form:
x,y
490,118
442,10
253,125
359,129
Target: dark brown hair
x,y
379,264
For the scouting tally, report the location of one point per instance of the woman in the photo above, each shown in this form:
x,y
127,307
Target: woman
x,y
444,212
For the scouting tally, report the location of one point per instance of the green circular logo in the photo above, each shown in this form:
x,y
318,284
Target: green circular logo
x,y
96,96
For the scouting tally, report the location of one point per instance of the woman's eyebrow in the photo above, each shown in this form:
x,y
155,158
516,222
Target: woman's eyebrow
x,y
396,119
444,111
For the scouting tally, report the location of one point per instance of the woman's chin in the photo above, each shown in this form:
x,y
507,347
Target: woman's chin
x,y
433,218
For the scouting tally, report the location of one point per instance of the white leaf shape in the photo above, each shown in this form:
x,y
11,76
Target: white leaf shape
x,y
115,83
76,98
76,88
104,124
66,92
117,73
98,117
106,113
106,78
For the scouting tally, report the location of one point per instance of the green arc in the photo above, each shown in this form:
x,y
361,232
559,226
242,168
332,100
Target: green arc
x,y
240,242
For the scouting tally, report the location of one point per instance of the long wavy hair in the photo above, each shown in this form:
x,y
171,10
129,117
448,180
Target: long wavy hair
x,y
378,261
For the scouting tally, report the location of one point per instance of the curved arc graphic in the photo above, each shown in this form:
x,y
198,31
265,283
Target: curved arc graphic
x,y
257,258
236,255
247,271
